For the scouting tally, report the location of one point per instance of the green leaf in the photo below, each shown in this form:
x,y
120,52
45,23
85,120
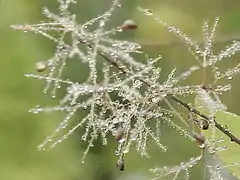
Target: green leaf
x,y
230,157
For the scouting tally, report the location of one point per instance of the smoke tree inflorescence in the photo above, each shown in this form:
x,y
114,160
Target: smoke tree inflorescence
x,y
123,96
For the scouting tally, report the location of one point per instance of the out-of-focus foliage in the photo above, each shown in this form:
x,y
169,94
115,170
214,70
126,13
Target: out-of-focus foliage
x,y
21,132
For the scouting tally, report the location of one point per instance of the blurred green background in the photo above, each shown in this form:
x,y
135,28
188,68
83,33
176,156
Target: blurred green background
x,y
21,132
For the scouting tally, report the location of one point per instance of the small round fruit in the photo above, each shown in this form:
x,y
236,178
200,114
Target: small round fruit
x,y
41,66
119,134
200,139
129,25
205,124
120,164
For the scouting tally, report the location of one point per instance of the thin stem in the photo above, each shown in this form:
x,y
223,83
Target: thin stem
x,y
176,112
204,68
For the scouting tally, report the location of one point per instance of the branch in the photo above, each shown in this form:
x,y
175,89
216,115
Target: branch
x,y
217,125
